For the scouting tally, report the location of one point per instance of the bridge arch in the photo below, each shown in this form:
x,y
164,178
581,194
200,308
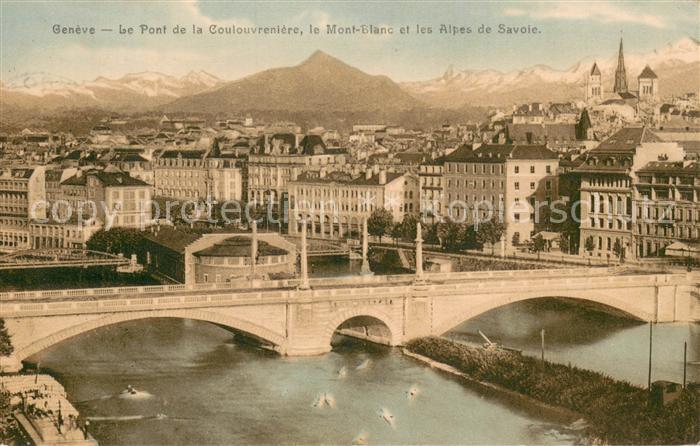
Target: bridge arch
x,y
635,310
363,312
233,323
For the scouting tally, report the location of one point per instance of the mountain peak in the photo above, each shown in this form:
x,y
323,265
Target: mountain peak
x,y
320,58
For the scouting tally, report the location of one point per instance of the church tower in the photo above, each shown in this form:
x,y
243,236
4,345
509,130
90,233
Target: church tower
x,y
594,85
620,73
648,84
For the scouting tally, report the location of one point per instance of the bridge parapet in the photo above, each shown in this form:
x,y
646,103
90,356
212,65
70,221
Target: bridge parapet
x,y
318,282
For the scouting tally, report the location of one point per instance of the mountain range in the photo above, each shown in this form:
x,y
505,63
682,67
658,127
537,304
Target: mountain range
x,y
677,66
132,92
324,84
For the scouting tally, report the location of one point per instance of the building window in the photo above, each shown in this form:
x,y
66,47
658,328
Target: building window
x,y
517,169
549,169
532,186
532,169
517,185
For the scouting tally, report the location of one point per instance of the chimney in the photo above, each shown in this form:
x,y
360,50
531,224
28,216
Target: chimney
x,y
382,177
368,174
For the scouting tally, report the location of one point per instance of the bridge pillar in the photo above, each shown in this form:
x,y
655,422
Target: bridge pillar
x,y
417,312
10,364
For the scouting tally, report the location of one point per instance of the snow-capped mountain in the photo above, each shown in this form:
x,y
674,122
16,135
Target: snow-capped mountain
x,y
130,91
676,64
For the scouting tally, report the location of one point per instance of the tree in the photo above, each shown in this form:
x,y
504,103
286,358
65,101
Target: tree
x,y
491,232
397,232
589,245
6,347
408,228
430,235
450,235
618,250
116,241
538,245
565,243
380,223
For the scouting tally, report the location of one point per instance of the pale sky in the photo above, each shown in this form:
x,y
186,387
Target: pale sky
x,y
570,31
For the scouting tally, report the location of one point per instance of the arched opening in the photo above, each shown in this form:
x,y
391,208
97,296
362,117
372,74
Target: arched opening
x,y
243,330
364,328
575,331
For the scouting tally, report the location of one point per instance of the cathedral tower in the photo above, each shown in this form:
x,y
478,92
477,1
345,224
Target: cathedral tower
x,y
620,73
594,85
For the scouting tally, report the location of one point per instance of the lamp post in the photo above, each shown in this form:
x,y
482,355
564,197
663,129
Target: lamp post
x,y
304,284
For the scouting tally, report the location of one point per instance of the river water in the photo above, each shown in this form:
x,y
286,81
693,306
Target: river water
x,y
196,386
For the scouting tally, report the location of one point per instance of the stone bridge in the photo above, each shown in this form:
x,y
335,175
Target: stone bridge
x,y
293,321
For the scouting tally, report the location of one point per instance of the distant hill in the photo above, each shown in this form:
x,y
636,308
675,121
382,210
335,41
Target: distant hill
x,y
322,83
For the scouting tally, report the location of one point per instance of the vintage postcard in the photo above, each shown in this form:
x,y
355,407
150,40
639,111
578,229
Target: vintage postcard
x,y
349,222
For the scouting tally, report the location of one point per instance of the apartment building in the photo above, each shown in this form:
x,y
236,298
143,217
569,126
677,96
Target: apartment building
x,y
608,181
337,203
500,179
22,193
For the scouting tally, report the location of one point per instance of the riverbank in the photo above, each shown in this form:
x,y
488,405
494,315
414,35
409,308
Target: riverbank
x,y
616,411
35,410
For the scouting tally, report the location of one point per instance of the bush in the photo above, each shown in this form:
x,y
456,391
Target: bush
x,y
617,411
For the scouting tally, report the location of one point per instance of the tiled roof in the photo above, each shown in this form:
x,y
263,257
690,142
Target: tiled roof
x,y
498,153
626,140
189,154
108,179
670,167
172,238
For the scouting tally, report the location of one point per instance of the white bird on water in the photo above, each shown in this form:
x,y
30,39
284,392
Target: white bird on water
x,y
412,392
330,400
388,417
363,365
343,372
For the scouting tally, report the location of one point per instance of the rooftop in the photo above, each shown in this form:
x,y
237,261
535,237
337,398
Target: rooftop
x,y
240,246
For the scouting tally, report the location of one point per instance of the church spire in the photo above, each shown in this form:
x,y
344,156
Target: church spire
x,y
620,73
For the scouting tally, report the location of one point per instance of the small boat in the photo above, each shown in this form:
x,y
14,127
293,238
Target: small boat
x,y
129,390
361,439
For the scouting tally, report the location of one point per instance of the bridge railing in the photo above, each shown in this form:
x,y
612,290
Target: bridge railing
x,y
239,285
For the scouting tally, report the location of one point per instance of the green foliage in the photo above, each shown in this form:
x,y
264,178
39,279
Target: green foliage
x,y
490,232
10,432
516,239
116,241
408,228
617,411
397,232
430,234
539,244
618,250
380,223
6,347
